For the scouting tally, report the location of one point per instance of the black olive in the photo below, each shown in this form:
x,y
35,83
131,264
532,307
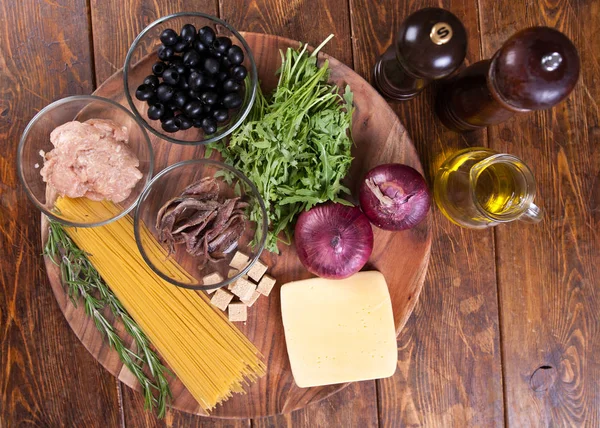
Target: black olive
x,y
168,37
222,44
210,83
211,66
225,63
151,80
156,110
207,35
232,100
231,85
158,68
144,92
193,95
209,98
220,115
200,47
193,109
165,52
217,55
178,66
179,99
180,46
239,72
172,106
235,54
185,122
183,84
191,58
167,114
188,33
165,92
152,100
209,125
171,124
222,76
197,122
196,80
171,76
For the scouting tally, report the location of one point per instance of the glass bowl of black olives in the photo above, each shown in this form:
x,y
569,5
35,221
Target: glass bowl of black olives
x,y
190,78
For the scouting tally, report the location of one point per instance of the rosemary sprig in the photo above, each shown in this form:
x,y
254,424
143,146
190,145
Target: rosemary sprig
x,y
84,282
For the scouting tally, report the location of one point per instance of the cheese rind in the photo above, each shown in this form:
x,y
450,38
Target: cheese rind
x,y
339,330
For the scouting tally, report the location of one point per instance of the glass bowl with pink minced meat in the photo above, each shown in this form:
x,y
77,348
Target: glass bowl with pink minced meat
x,y
86,148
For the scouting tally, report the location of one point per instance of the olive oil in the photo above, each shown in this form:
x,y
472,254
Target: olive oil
x,y
479,187
498,190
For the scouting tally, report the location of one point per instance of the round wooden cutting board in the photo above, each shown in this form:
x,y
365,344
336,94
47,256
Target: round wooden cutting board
x,y
402,257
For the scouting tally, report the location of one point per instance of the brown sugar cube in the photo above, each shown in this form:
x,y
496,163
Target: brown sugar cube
x,y
252,299
221,299
212,279
243,289
231,274
238,312
239,261
232,284
265,285
257,270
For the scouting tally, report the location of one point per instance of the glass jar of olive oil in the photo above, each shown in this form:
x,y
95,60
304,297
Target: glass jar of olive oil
x,y
478,188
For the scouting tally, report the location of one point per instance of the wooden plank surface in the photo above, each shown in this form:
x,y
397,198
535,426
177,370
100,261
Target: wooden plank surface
x,y
549,273
449,368
356,405
115,24
449,353
47,377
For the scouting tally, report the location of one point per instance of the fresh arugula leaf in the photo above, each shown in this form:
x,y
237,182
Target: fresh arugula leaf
x,y
295,146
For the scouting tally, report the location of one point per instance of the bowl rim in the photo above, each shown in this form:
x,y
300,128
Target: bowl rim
x,y
254,79
144,195
41,114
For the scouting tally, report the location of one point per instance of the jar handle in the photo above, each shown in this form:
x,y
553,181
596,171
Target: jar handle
x,y
534,214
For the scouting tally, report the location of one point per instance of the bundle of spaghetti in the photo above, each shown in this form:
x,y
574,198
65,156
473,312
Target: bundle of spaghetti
x,y
210,356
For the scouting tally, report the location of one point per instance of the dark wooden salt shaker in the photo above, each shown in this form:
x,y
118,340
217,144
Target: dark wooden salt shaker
x,y
535,69
431,44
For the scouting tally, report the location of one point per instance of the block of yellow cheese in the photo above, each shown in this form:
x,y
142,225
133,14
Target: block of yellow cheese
x,y
339,330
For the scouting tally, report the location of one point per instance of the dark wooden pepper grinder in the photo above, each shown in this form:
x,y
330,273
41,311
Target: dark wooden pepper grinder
x,y
535,69
431,44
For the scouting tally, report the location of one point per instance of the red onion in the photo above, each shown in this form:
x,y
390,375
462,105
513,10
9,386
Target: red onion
x,y
394,197
333,240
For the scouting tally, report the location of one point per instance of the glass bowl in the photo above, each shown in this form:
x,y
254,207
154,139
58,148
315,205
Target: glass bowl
x,y
169,184
35,141
143,53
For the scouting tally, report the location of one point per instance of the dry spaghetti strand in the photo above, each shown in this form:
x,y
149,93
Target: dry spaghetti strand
x,y
210,356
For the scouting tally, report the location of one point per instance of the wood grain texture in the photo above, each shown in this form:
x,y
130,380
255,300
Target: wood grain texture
x,y
47,378
549,273
354,406
376,137
136,417
116,23
309,21
449,369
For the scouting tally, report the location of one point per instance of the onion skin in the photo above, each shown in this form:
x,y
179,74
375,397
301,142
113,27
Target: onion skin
x,y
333,240
394,197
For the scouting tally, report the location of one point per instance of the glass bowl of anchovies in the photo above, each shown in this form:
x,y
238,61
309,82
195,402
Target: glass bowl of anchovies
x,y
203,213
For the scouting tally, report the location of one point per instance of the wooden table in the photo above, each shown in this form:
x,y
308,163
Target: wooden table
x,y
507,329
